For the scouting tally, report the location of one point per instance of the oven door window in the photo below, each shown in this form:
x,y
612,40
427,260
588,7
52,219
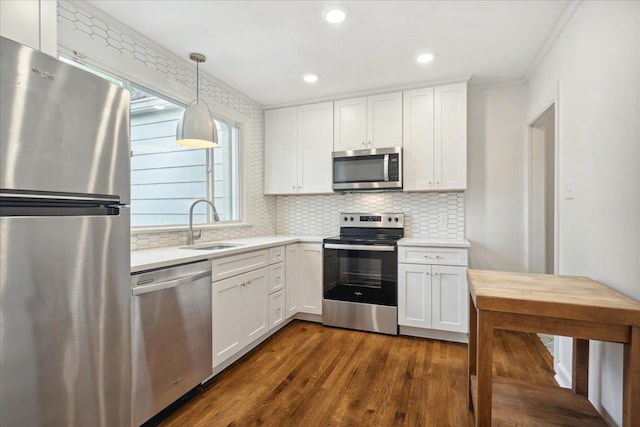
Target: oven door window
x,y
360,276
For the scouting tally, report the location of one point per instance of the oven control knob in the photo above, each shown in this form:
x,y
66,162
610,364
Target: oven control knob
x,y
389,219
351,218
397,219
346,219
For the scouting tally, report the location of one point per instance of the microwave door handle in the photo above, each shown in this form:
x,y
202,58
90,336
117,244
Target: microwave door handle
x,y
386,167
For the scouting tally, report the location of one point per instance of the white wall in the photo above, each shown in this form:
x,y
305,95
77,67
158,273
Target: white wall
x,y
495,196
595,63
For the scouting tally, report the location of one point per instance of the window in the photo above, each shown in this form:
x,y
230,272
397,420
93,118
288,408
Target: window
x,y
167,178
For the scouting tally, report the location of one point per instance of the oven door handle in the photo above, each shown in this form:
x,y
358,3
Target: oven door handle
x,y
371,248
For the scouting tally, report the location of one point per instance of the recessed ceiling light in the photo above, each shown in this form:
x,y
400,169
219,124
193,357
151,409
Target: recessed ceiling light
x,y
335,14
159,107
310,78
424,58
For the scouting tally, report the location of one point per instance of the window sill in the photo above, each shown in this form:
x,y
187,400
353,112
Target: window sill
x,y
171,228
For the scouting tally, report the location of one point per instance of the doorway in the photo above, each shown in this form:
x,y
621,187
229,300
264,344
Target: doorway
x,y
542,197
542,201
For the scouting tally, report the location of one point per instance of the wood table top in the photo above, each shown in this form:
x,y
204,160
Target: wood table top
x,y
567,297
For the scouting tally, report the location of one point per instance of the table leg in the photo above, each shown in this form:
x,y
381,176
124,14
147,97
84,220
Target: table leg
x,y
473,342
484,368
631,378
580,376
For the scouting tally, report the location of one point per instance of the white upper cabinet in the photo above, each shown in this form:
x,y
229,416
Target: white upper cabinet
x,y
298,145
368,122
435,138
350,124
450,136
418,140
281,150
315,142
32,23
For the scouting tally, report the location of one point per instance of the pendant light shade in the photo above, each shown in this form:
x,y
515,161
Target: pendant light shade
x,y
196,127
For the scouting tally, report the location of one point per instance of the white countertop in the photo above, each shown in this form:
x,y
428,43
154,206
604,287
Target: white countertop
x,y
440,243
148,259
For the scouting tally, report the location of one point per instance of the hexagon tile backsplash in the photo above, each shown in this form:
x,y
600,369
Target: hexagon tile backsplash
x,y
430,215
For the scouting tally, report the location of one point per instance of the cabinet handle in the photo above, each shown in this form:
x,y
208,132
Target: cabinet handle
x,y
177,381
242,284
369,144
278,309
427,273
278,277
249,282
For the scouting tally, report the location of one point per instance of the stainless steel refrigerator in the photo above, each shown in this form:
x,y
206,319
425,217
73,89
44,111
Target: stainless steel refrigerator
x,y
64,244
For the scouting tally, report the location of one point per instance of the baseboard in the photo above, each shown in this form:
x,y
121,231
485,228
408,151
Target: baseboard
x,y
308,317
434,334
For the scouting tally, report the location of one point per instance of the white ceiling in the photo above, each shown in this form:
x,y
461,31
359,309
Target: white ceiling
x,y
262,48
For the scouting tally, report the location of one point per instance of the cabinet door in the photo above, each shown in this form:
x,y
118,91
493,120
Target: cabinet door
x,y
350,124
227,307
414,295
32,23
310,273
291,279
450,298
450,136
276,308
384,120
281,151
417,145
255,294
315,144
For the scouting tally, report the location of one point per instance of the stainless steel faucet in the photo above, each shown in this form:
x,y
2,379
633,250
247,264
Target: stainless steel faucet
x,y
190,237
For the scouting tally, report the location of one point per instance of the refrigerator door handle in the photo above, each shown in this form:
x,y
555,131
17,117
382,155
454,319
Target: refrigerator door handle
x,y
141,290
53,196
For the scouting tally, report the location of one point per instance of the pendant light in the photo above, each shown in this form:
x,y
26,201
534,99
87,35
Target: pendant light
x,y
196,127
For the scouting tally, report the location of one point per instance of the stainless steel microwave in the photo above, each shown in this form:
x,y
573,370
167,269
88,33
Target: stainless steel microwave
x,y
374,169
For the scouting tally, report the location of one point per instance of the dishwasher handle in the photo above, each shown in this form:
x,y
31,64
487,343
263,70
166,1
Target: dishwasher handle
x,y
140,290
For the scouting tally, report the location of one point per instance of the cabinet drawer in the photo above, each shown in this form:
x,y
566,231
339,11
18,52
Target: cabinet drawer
x,y
276,254
238,264
276,277
276,308
427,255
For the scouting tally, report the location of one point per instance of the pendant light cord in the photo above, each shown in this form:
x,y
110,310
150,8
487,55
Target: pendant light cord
x,y
197,82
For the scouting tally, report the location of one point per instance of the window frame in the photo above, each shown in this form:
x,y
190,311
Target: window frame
x,y
179,94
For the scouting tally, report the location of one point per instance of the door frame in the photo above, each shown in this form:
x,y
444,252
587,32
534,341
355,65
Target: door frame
x,y
533,120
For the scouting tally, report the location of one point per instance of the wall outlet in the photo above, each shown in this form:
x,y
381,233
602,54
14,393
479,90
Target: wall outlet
x,y
568,189
443,221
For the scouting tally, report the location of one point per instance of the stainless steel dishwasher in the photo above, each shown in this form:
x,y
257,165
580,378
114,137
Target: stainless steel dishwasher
x,y
171,335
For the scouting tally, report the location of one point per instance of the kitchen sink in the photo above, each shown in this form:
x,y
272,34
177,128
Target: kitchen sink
x,y
212,247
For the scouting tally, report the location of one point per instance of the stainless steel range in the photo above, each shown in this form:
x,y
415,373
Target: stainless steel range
x,y
360,276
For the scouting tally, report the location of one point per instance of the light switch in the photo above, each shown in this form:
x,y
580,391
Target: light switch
x,y
568,189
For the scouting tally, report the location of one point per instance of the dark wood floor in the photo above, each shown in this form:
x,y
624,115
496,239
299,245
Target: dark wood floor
x,y
310,375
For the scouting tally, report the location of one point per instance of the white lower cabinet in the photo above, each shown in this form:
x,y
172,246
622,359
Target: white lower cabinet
x,y
240,312
310,278
414,295
292,279
432,296
276,308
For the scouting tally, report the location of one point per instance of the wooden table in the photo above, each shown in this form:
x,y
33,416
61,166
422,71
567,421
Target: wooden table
x,y
562,305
